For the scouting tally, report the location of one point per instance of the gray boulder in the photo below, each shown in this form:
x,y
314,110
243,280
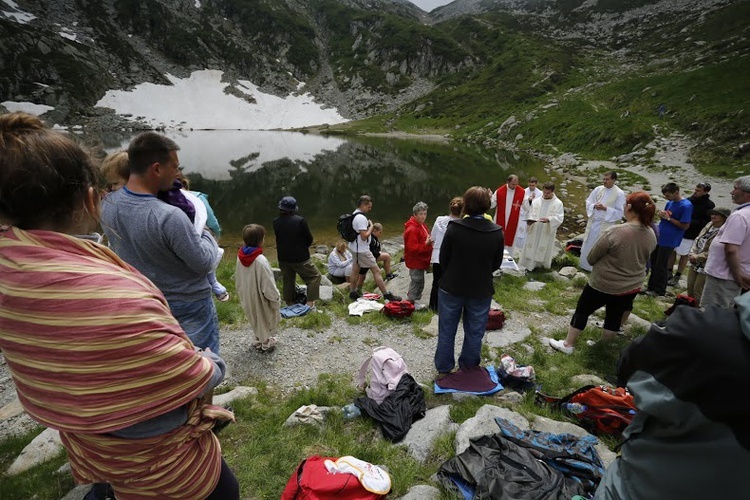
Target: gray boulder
x,y
42,448
483,424
422,492
424,432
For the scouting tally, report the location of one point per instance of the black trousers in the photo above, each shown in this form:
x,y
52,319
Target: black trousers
x,y
227,488
657,282
592,299
437,272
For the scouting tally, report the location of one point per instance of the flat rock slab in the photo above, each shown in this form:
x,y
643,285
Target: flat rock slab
x,y
534,286
78,492
545,424
422,492
45,446
483,424
424,432
239,392
587,379
568,271
512,331
10,410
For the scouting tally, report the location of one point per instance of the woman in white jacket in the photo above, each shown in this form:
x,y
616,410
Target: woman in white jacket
x,y
456,206
340,263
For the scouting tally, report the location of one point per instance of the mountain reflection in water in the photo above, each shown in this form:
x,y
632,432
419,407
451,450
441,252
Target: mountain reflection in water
x,y
245,173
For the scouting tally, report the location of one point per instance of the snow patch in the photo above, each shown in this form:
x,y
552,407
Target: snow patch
x,y
68,34
199,102
27,107
17,14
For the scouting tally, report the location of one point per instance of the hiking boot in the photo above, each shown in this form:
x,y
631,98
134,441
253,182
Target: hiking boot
x,y
354,294
390,276
674,280
391,298
560,346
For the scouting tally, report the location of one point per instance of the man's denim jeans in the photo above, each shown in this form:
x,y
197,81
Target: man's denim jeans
x,y
475,313
199,320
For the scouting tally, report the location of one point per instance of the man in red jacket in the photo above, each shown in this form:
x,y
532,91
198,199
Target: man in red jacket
x,y
509,198
417,250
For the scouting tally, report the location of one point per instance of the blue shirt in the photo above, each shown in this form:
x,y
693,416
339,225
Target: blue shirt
x,y
670,236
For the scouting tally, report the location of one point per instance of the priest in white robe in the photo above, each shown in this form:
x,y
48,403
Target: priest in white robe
x,y
604,207
545,216
532,193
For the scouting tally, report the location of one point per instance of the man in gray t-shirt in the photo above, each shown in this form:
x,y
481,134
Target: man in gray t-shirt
x,y
159,240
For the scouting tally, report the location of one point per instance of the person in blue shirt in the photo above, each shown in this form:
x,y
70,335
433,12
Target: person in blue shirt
x,y
675,219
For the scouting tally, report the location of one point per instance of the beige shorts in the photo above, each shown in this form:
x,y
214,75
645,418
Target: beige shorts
x,y
365,259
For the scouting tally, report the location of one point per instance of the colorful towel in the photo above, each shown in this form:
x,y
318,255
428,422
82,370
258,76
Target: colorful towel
x,y
93,348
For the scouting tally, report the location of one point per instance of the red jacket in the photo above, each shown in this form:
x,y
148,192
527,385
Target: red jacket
x,y
416,253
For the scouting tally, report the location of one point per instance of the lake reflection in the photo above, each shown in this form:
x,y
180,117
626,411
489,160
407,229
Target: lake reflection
x,y
245,173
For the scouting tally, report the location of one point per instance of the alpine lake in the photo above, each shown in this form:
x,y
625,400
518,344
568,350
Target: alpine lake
x,y
245,173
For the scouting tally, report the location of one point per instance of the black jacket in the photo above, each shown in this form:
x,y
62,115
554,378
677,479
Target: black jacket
x,y
293,238
701,206
471,250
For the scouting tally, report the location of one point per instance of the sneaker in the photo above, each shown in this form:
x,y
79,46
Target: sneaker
x,y
560,346
674,280
354,294
390,297
390,276
223,297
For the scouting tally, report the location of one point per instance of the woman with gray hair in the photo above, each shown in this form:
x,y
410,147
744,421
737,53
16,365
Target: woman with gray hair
x,y
417,250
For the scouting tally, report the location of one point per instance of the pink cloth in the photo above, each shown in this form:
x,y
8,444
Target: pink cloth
x,y
474,379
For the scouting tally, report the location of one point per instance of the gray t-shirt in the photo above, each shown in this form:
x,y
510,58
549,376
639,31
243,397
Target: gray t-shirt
x,y
159,240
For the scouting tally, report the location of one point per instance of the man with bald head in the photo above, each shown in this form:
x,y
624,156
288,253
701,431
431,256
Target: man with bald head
x,y
508,199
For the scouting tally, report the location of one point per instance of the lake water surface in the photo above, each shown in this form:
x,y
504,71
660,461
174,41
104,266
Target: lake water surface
x,y
245,173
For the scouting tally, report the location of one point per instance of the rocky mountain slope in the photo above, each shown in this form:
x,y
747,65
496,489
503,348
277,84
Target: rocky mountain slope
x,y
465,67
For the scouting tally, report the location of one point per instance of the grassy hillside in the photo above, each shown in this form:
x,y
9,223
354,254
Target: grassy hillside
x,y
569,96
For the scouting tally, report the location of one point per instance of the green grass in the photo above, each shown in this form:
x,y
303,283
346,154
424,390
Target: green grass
x,y
263,453
40,482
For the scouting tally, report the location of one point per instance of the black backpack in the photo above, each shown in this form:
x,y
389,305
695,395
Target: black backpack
x,y
345,228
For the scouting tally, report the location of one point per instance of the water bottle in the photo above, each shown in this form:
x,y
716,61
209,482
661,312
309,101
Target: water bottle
x,y
575,408
351,411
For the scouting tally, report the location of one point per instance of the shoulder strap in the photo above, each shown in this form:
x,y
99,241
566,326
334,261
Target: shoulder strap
x,y
363,372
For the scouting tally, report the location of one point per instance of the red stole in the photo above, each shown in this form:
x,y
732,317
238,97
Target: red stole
x,y
509,233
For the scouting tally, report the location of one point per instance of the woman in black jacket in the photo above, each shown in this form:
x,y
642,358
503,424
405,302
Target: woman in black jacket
x,y
471,250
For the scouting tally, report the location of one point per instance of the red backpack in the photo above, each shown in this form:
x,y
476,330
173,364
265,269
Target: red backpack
x,y
398,309
495,319
600,409
312,481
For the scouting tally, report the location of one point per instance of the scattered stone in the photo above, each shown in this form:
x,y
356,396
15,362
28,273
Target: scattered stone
x,y
567,159
483,424
239,392
513,331
544,424
568,271
45,446
534,286
422,492
424,432
326,292
10,410
587,379
581,276
322,249
510,397
558,277
78,492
